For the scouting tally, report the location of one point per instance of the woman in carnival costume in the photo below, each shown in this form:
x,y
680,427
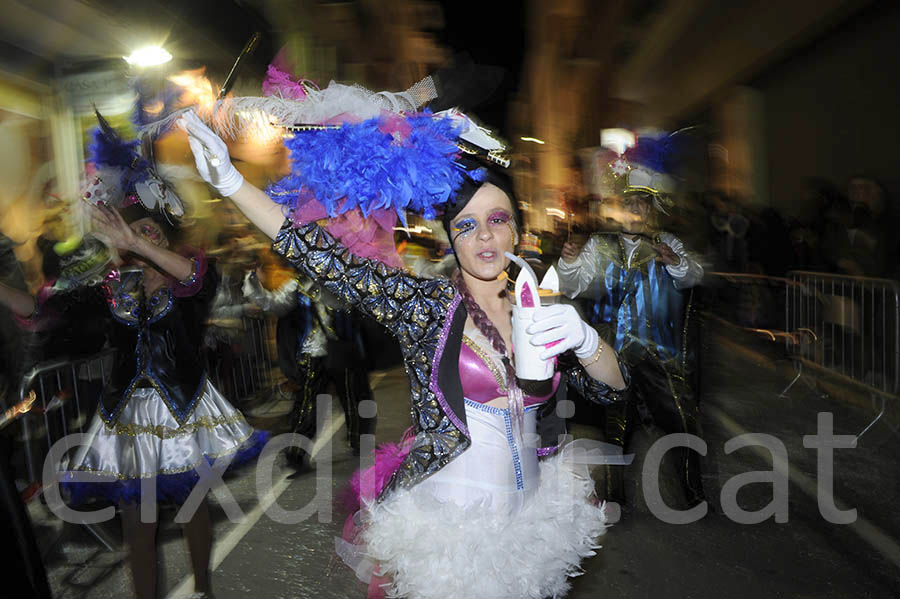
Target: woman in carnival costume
x,y
159,417
479,499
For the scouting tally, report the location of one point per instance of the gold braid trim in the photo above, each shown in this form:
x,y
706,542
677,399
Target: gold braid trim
x,y
239,443
165,432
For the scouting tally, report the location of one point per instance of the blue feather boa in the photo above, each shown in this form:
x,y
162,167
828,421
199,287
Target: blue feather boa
x,y
362,166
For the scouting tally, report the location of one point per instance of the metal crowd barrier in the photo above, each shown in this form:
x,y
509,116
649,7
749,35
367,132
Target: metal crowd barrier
x,y
855,324
67,391
244,367
751,301
66,396
757,303
840,326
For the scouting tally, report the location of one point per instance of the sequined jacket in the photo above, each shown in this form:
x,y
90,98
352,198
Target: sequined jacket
x,y
427,317
157,338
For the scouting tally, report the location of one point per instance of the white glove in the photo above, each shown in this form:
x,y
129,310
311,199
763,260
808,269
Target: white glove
x,y
561,326
211,156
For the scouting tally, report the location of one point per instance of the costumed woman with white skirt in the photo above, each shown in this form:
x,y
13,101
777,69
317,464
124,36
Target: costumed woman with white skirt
x,y
479,499
159,417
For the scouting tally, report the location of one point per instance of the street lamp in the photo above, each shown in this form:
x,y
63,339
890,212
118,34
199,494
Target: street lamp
x,y
148,56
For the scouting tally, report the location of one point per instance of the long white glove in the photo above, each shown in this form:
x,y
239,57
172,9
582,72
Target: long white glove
x,y
211,156
561,325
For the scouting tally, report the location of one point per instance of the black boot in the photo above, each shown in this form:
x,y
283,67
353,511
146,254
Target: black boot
x,y
691,482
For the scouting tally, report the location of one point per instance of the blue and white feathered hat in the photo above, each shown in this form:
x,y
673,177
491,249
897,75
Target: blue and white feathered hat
x,y
352,148
126,174
629,163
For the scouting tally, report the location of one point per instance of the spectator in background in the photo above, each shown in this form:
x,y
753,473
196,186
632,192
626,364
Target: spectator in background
x,y
769,243
25,574
727,236
13,280
855,230
225,330
806,248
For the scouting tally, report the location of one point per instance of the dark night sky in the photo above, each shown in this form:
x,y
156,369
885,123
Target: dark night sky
x,y
492,33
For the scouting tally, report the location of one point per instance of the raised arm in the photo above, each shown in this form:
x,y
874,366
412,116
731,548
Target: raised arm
x,y
259,209
278,302
214,165
110,225
391,296
406,304
576,273
687,272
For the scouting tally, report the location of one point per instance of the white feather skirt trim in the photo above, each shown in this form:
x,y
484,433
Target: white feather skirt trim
x,y
431,549
521,539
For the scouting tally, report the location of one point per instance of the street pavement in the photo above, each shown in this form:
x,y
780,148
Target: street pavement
x,y
642,556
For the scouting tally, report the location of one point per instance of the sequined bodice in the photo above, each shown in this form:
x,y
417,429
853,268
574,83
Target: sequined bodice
x,y
482,372
128,301
158,337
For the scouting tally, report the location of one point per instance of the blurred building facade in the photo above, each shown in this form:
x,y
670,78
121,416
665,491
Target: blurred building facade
x,y
381,45
782,92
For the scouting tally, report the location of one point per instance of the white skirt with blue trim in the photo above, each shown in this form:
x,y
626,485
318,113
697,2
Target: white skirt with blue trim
x,y
146,442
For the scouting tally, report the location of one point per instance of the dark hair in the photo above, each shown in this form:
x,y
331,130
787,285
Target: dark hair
x,y
484,323
483,173
874,181
489,330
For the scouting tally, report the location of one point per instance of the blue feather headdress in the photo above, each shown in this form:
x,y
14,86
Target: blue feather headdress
x,y
652,152
108,150
132,164
352,150
390,162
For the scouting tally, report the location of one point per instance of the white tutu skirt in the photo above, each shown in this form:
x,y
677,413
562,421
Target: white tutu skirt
x,y
495,523
146,442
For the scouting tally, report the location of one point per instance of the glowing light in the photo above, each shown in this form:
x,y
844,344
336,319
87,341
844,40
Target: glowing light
x,y
149,56
533,140
255,126
617,140
556,212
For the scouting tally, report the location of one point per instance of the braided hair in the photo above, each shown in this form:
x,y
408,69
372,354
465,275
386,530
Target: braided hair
x,y
484,324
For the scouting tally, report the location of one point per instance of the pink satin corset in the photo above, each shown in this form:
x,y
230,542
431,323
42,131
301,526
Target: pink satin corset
x,y
483,378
